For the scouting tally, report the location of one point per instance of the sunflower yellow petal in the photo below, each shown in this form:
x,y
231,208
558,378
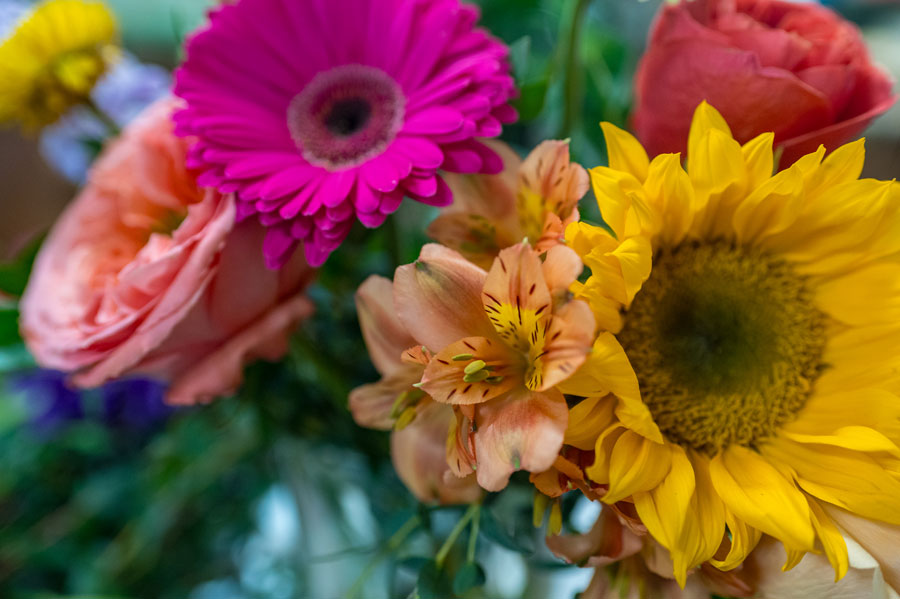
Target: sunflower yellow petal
x,y
618,193
636,464
607,370
672,199
793,558
744,539
831,539
715,162
865,360
625,152
857,438
706,119
848,479
870,295
760,495
705,526
635,257
759,158
843,165
770,208
663,509
587,419
842,227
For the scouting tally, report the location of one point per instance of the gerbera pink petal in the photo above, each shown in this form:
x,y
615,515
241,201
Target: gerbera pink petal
x,y
397,90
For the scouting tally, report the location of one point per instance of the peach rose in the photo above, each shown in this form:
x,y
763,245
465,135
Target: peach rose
x,y
145,273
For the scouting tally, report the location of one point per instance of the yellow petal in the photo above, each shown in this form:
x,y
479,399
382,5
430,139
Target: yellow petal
x,y
772,207
831,539
849,479
683,516
588,419
635,257
865,360
759,158
715,162
625,152
636,464
760,495
870,295
607,370
744,539
620,197
842,165
857,438
706,119
671,195
705,525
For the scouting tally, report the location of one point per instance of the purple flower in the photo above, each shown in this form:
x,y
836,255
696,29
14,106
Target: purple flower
x,y
134,403
130,404
50,402
320,112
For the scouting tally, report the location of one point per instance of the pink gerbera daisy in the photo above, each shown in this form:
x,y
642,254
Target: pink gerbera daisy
x,y
318,111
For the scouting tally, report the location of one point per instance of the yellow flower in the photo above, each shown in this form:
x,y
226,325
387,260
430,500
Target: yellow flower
x,y
748,382
52,60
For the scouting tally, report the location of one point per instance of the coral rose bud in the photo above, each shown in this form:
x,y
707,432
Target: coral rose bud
x,y
146,273
797,69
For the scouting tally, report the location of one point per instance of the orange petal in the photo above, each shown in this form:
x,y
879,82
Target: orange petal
x,y
568,344
474,236
515,295
460,447
384,335
607,542
419,455
549,183
561,267
371,404
444,375
438,298
521,431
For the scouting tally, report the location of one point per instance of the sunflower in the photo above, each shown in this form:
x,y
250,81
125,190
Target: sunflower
x,y
747,382
52,60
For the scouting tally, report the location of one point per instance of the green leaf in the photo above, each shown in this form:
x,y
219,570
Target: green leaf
x,y
14,274
496,532
531,100
519,52
434,582
471,575
414,563
9,326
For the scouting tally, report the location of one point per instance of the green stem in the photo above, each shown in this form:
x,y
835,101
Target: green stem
x,y
454,534
392,545
111,126
571,72
473,534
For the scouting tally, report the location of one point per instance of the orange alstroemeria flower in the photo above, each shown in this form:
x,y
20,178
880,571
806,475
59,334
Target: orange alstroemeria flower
x,y
535,200
501,341
420,424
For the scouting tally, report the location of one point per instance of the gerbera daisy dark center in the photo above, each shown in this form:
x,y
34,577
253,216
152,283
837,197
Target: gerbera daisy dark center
x,y
346,116
726,343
